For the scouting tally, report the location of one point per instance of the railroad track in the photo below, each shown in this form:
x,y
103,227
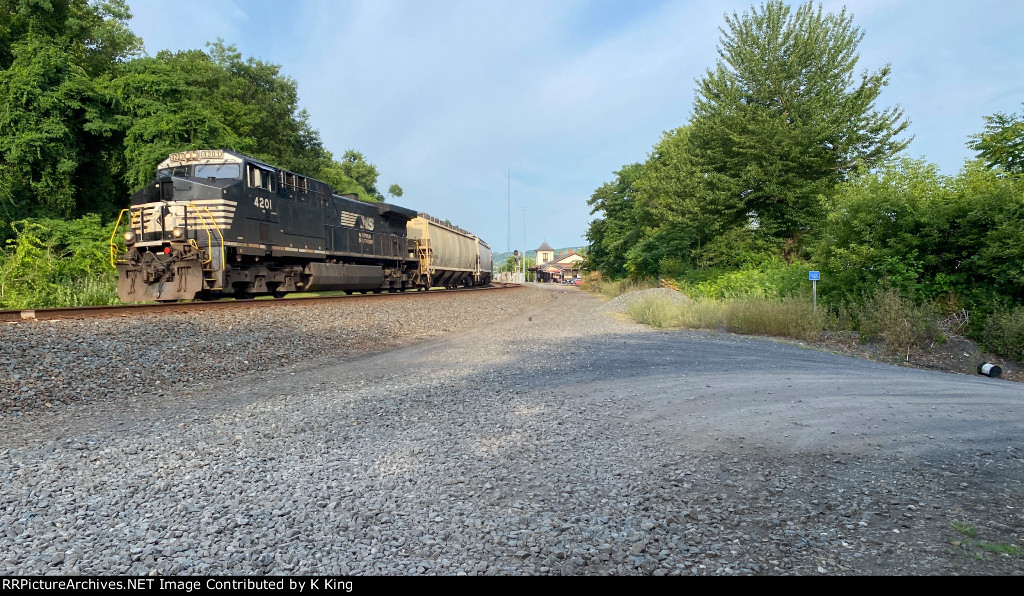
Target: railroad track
x,y
126,310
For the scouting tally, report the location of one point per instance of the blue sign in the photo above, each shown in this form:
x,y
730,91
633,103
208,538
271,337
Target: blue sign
x,y
813,275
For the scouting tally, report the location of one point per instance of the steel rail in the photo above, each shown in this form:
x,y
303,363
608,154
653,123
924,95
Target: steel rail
x,y
125,310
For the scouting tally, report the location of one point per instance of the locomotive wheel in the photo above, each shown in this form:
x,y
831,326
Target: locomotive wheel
x,y
278,294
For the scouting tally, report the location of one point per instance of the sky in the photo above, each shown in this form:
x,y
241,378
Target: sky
x,y
505,116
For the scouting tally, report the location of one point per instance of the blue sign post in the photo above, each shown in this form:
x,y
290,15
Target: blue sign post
x,y
814,276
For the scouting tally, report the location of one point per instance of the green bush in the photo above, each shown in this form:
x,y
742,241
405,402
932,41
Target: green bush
x,y
769,279
1003,333
656,311
54,263
899,323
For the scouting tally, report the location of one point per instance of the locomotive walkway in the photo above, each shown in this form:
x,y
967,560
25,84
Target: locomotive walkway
x,y
554,440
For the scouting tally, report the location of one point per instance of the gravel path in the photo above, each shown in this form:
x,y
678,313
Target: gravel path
x,y
532,435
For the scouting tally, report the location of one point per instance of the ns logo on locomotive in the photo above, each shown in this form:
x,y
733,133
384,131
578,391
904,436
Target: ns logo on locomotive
x,y
215,223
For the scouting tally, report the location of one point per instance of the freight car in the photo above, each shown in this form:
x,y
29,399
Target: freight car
x,y
216,223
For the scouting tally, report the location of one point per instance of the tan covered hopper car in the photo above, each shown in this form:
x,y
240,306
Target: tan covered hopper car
x,y
449,256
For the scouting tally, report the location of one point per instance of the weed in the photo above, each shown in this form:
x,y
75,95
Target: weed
x,y
971,543
781,318
898,322
965,529
1001,548
655,311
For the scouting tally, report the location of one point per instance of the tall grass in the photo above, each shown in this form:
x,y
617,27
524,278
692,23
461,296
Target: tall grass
x,y
595,282
781,318
899,323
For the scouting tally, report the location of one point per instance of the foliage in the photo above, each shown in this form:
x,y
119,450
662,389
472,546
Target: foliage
x,y
610,237
50,263
900,323
56,152
355,166
780,318
1001,144
654,310
924,235
781,119
770,279
1003,333
776,125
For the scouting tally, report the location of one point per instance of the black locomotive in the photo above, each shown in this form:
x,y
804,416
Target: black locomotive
x,y
216,223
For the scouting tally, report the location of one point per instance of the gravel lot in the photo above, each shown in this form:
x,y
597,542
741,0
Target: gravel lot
x,y
517,432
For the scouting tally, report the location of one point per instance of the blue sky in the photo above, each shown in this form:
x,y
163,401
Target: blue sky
x,y
446,97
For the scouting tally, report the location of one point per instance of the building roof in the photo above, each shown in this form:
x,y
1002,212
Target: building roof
x,y
544,246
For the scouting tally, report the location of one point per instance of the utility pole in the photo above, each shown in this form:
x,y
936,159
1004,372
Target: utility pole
x,y
508,245
524,244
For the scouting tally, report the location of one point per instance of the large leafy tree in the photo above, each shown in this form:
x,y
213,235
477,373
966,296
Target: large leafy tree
x,y
619,229
1001,144
56,148
783,117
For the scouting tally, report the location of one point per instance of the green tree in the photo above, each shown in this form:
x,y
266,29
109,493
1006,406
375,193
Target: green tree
x,y
395,191
57,154
165,104
782,119
612,235
355,166
1001,144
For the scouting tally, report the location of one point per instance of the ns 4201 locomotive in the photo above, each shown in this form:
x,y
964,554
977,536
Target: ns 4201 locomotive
x,y
216,223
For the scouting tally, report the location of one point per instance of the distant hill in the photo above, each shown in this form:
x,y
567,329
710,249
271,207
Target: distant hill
x,y
501,257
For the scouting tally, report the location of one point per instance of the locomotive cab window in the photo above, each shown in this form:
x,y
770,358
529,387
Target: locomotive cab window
x,y
179,171
260,178
217,171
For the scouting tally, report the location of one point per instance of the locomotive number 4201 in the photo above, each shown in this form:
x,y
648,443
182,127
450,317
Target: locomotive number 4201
x,y
262,203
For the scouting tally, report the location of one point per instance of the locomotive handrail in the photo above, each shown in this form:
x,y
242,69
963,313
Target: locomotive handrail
x,y
209,238
114,251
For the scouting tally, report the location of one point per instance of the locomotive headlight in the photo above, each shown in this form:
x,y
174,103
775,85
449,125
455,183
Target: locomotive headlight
x,y
178,233
129,238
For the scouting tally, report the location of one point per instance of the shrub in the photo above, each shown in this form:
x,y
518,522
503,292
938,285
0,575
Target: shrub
x,y
899,323
1003,333
656,311
52,263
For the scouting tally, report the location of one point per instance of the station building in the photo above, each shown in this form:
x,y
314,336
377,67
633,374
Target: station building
x,y
556,268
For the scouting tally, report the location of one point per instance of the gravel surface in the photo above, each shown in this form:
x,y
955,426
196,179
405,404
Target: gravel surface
x,y
532,435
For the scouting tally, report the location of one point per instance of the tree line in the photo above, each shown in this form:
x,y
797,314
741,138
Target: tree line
x,y
85,115
787,164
